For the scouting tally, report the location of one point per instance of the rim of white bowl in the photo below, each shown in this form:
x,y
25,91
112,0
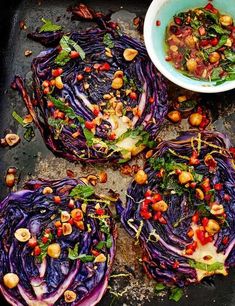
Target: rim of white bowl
x,y
150,20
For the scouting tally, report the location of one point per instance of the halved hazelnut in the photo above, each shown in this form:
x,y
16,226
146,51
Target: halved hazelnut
x,y
119,109
11,280
160,206
118,74
100,258
129,54
69,296
47,190
64,216
67,229
10,180
117,83
12,139
54,250
22,234
92,179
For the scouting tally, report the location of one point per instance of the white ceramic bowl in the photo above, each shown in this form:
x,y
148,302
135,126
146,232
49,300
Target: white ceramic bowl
x,y
154,37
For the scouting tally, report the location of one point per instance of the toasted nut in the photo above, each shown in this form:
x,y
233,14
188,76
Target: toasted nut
x,y
119,109
174,48
12,139
11,280
11,170
118,74
189,41
199,194
84,207
79,224
212,227
195,119
58,82
174,116
86,85
181,99
103,177
108,53
3,142
149,154
27,52
69,296
10,180
226,20
217,209
47,190
100,258
67,229
28,119
54,250
160,206
185,177
77,214
229,43
126,170
191,65
76,134
129,54
214,57
64,216
84,180
117,83
107,96
141,177
22,234
97,206
92,179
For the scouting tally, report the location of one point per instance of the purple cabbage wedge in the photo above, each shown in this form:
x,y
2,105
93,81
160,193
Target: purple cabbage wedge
x,y
90,102
58,239
184,216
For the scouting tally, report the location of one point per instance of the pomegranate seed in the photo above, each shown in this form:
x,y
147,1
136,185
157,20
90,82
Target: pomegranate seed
x,y
227,197
59,232
151,100
50,104
74,54
79,77
195,218
175,265
89,125
46,90
104,67
87,69
112,136
45,83
218,186
158,23
178,21
225,240
57,199
57,72
96,111
214,41
48,231
162,220
100,211
148,193
32,242
44,240
205,221
133,95
37,250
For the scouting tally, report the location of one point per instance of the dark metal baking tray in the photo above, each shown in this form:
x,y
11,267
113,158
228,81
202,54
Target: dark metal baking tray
x,y
33,159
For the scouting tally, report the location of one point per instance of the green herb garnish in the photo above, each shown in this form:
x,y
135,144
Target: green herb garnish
x,y
49,26
107,40
206,267
73,255
82,191
176,294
